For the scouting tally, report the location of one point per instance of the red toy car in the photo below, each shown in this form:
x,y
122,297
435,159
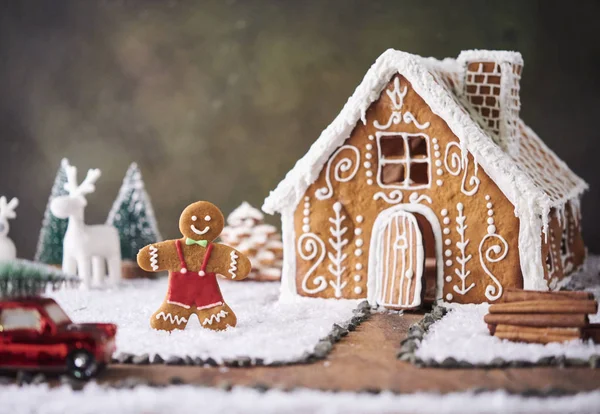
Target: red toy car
x,y
35,333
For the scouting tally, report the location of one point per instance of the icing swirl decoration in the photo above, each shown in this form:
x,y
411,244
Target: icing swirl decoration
x,y
495,252
409,117
415,198
309,246
343,166
394,197
456,161
395,118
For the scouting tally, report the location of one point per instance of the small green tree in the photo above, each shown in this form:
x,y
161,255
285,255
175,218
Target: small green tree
x,y
50,243
133,216
20,278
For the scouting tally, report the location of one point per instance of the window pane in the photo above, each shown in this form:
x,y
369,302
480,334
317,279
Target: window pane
x,y
392,147
419,173
57,314
418,147
11,319
392,173
563,243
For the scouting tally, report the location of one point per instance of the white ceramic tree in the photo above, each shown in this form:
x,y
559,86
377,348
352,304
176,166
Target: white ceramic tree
x,y
7,212
86,249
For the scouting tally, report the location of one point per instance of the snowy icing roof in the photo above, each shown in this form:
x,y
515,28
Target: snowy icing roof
x,y
531,176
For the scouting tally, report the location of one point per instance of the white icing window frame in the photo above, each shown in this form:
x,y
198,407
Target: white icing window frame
x,y
406,160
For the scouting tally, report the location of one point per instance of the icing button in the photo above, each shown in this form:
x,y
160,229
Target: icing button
x,y
183,270
201,273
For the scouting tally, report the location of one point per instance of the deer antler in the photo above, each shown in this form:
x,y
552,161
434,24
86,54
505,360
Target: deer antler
x,y
86,187
7,210
71,184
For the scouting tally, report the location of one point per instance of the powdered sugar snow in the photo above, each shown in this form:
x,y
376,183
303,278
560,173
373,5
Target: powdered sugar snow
x,y
462,334
267,329
189,399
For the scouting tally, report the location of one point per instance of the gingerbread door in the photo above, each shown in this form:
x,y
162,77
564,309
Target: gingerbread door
x,y
400,261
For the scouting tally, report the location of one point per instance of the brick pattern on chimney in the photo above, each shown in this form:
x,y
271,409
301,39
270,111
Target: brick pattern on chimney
x,y
482,89
498,109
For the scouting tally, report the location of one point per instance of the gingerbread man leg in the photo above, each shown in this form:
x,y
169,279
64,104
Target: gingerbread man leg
x,y
217,318
170,316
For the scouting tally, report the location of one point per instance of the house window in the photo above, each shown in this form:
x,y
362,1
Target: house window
x,y
404,160
564,250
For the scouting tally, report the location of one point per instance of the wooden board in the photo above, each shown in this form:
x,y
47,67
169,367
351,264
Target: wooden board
x,y
366,360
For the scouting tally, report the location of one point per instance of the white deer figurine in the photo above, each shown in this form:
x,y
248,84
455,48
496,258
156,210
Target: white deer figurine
x,y
86,249
7,211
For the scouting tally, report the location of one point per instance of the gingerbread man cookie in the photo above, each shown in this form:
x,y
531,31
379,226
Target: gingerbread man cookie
x,y
193,263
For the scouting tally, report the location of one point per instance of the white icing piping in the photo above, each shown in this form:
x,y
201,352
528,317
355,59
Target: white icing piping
x,y
233,264
212,305
344,165
460,163
337,243
215,317
153,257
309,245
200,232
170,302
171,318
463,258
415,198
394,197
492,292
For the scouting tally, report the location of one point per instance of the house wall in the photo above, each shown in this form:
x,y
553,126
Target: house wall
x,y
334,220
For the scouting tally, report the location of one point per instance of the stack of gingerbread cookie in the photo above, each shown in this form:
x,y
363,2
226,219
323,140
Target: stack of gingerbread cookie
x,y
543,317
247,232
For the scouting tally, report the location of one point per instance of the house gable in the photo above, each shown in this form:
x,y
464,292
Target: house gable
x,y
405,155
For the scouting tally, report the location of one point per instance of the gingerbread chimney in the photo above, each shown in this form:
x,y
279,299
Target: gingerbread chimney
x,y
491,83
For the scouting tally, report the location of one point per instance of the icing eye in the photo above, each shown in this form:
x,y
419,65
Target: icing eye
x,y
194,218
207,218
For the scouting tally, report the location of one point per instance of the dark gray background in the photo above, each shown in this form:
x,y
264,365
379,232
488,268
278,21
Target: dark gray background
x,y
218,100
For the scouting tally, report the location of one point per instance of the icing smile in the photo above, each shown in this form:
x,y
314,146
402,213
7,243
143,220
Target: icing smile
x,y
199,232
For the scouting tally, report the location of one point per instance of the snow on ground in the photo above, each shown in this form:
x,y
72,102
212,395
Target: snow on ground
x,y
189,399
463,335
266,328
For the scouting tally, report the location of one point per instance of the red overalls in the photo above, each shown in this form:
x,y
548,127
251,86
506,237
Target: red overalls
x,y
191,289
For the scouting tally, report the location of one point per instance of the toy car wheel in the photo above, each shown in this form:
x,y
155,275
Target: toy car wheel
x,y
81,364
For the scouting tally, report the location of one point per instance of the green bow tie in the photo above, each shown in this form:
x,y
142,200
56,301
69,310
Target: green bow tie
x,y
202,243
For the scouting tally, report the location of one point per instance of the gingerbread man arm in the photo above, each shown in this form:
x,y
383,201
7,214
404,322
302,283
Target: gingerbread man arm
x,y
158,257
228,262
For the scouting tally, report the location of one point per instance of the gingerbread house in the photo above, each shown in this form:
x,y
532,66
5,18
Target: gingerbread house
x,y
427,186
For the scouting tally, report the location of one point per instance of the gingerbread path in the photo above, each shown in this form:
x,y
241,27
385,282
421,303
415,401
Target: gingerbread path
x,y
366,360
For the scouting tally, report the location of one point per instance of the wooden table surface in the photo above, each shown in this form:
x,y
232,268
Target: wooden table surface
x,y
366,360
